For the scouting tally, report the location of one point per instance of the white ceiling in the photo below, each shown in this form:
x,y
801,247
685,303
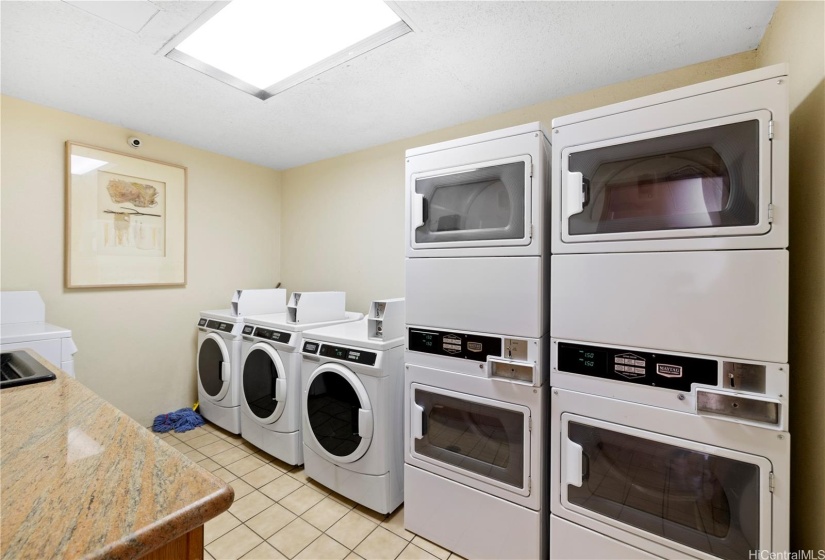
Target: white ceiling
x,y
465,61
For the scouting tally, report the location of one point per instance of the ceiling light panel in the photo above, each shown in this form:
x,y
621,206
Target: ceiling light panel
x,y
264,46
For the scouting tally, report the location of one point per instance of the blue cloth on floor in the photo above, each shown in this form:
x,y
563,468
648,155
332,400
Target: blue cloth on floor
x,y
181,420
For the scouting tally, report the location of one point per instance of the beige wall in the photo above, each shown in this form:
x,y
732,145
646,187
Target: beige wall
x,y
797,35
343,218
137,346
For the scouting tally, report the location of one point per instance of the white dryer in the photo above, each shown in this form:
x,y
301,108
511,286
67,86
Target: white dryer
x,y
353,402
218,363
271,381
24,326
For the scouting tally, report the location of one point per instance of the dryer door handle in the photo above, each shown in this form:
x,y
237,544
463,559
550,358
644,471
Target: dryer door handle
x,y
418,210
573,462
224,371
280,389
365,423
578,193
416,420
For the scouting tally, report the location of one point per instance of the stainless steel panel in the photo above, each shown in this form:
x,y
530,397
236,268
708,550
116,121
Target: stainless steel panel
x,y
737,406
519,372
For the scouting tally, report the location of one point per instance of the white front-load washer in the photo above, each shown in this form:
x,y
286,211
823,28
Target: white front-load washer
x,y
218,363
353,402
271,383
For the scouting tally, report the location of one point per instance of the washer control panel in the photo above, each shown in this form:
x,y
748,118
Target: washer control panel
x,y
217,325
270,334
347,354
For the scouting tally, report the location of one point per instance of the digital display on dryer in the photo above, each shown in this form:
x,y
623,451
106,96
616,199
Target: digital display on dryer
x,y
248,329
202,323
588,360
311,347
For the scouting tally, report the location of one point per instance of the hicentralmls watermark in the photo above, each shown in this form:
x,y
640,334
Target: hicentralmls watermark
x,y
787,555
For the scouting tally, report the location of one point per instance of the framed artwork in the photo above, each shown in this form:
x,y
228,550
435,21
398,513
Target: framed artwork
x,y
125,220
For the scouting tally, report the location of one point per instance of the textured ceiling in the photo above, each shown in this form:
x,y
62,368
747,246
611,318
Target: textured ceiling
x,y
466,60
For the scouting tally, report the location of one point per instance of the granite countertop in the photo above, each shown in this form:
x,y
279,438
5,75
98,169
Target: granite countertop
x,y
81,479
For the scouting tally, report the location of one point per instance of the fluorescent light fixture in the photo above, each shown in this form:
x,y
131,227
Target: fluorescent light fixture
x,y
82,165
266,46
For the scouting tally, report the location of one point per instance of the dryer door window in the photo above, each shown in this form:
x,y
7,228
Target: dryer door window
x,y
479,205
713,503
212,360
706,179
264,383
484,439
338,412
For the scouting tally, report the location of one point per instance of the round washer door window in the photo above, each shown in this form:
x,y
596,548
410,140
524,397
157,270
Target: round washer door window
x,y
264,383
339,414
213,366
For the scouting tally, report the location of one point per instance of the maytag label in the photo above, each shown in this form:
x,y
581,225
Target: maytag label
x,y
475,346
668,370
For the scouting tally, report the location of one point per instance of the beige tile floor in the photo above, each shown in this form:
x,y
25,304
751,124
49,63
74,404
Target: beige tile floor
x,y
279,512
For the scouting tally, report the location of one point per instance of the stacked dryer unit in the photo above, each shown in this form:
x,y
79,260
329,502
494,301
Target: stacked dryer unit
x,y
477,325
271,370
219,354
669,324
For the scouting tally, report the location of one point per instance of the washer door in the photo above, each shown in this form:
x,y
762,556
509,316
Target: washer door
x,y
338,412
264,383
213,367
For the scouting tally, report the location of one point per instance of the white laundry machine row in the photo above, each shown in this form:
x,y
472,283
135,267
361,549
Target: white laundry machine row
x,y
23,316
661,455
476,210
475,443
352,390
271,379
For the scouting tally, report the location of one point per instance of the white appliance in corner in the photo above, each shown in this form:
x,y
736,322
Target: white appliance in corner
x,y
23,316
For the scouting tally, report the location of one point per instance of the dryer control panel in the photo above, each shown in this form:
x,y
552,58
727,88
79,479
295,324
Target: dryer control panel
x,y
454,344
635,366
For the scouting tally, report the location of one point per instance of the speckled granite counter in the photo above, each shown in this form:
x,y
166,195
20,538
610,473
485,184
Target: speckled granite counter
x,y
80,479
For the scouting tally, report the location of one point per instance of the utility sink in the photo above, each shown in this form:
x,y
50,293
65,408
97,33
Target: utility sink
x,y
20,368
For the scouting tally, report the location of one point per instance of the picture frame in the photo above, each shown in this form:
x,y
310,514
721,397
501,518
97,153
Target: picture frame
x,y
125,220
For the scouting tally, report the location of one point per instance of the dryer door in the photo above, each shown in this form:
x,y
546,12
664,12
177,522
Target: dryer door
x,y
264,383
338,412
699,499
213,367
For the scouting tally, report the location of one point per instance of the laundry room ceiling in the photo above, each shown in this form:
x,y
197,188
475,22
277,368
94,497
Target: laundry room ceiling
x,y
465,60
